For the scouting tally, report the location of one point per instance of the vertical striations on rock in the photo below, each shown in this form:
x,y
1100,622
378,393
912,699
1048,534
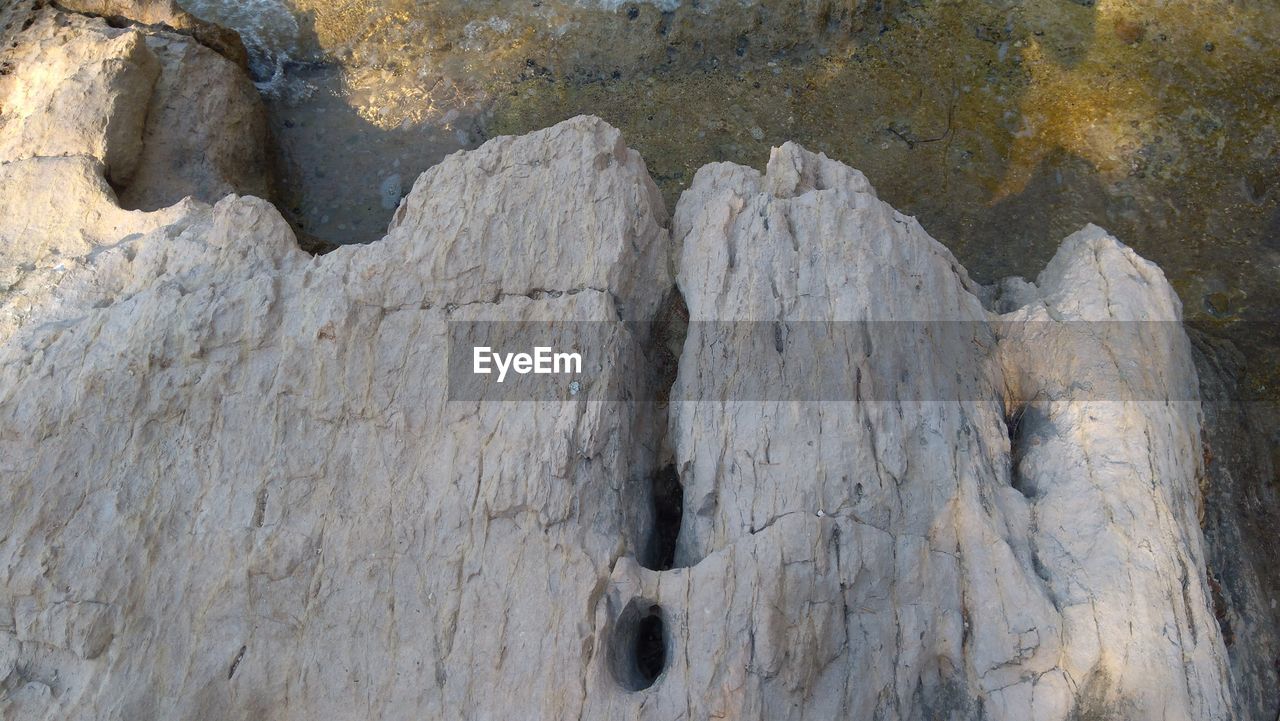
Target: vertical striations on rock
x,y
1114,482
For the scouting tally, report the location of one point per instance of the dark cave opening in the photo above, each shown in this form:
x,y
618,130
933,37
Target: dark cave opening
x,y
638,651
651,646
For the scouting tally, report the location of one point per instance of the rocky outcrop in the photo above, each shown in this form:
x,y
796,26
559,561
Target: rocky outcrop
x,y
56,215
436,555
167,116
238,485
904,555
206,130
77,88
167,15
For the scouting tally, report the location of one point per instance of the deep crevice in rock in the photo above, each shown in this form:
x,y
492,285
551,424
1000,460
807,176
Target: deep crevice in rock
x,y
668,513
1220,607
656,549
1015,425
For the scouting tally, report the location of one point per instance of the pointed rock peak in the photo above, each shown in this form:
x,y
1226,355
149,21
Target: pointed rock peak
x,y
794,171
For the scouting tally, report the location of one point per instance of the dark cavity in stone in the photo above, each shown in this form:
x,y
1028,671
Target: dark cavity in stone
x,y
668,512
638,652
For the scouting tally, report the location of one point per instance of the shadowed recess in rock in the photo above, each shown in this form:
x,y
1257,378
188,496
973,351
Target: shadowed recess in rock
x,y
638,653
668,510
1013,424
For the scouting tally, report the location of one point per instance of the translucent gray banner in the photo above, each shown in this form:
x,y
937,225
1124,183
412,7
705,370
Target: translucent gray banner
x,y
822,360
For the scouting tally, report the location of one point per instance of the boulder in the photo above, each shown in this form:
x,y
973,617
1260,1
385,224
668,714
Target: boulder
x,y
206,130
77,87
166,14
167,116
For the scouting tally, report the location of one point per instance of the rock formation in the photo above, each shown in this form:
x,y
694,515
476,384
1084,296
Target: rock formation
x,y
896,557
165,15
166,115
235,484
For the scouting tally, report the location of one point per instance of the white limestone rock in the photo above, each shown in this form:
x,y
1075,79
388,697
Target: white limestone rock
x,y
1114,481
206,130
235,486
77,87
57,214
167,116
874,559
169,16
155,112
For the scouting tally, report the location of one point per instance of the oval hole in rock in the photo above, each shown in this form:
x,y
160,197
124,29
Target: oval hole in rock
x,y
638,652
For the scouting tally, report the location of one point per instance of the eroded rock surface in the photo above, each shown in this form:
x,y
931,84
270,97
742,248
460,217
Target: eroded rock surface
x,y
357,544
168,116
77,87
166,14
898,557
236,485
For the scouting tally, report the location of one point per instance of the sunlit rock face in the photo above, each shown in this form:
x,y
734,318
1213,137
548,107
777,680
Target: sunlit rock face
x,y
235,484
278,511
93,117
166,115
900,557
167,15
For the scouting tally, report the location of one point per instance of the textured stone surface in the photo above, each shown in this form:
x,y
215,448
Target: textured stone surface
x,y
899,559
234,485
77,87
1114,484
166,115
206,130
277,512
167,14
57,214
